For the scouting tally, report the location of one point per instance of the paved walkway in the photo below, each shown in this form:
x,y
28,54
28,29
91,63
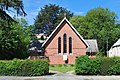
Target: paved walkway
x,y
61,76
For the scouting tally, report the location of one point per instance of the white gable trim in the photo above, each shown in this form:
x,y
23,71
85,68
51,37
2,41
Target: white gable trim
x,y
117,43
65,19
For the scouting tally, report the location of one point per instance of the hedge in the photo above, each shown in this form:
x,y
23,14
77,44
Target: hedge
x,y
105,65
97,66
115,67
24,67
84,65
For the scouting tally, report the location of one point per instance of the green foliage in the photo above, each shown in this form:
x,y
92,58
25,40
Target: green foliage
x,y
99,23
77,21
11,5
106,63
60,65
97,66
50,16
82,65
86,66
100,55
14,39
66,65
115,67
24,67
52,65
72,65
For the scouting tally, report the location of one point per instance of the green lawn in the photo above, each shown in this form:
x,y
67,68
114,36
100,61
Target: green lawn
x,y
62,68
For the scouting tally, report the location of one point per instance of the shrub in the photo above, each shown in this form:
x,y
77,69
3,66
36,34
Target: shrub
x,y
43,68
86,66
59,65
100,55
52,65
2,68
106,63
24,67
97,66
115,67
82,65
72,65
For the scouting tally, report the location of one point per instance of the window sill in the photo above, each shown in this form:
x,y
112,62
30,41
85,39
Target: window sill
x,y
68,54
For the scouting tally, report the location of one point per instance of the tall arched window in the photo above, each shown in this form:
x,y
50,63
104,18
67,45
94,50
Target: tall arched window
x,y
65,43
59,45
70,45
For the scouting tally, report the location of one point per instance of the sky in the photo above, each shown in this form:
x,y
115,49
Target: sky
x,y
78,7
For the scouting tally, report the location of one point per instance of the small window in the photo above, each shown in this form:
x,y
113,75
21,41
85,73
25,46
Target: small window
x,y
59,45
70,45
65,43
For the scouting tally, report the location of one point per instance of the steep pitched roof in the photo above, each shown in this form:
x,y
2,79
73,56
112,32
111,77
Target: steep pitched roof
x,y
65,19
117,43
93,47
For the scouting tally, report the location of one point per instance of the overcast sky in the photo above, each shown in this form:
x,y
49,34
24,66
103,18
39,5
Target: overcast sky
x,y
78,7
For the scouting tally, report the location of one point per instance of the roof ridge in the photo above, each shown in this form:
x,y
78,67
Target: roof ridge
x,y
65,19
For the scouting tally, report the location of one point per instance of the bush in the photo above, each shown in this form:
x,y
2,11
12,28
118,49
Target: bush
x,y
106,63
97,66
72,65
100,55
115,67
60,65
52,65
86,66
82,65
24,67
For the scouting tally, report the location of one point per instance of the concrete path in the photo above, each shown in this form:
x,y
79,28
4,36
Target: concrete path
x,y
61,76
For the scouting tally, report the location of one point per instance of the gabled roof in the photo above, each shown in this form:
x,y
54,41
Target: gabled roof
x,y
117,43
93,47
65,19
35,46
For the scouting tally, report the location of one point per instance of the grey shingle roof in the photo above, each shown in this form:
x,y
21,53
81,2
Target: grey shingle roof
x,y
35,46
93,46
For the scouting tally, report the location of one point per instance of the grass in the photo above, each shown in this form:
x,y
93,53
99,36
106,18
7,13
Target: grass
x,y
62,68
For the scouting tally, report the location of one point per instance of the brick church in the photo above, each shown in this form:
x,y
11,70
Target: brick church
x,y
65,44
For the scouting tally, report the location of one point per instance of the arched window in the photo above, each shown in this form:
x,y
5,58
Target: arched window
x,y
65,43
59,45
70,45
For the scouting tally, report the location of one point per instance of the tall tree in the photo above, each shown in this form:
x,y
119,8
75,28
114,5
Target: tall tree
x,y
10,5
50,16
77,21
100,24
14,39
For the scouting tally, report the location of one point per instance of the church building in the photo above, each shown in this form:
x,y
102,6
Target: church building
x,y
65,44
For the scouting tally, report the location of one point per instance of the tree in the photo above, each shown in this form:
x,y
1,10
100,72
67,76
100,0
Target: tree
x,y
14,39
49,17
100,24
6,5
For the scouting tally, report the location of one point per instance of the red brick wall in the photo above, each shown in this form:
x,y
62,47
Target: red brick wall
x,y
79,48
